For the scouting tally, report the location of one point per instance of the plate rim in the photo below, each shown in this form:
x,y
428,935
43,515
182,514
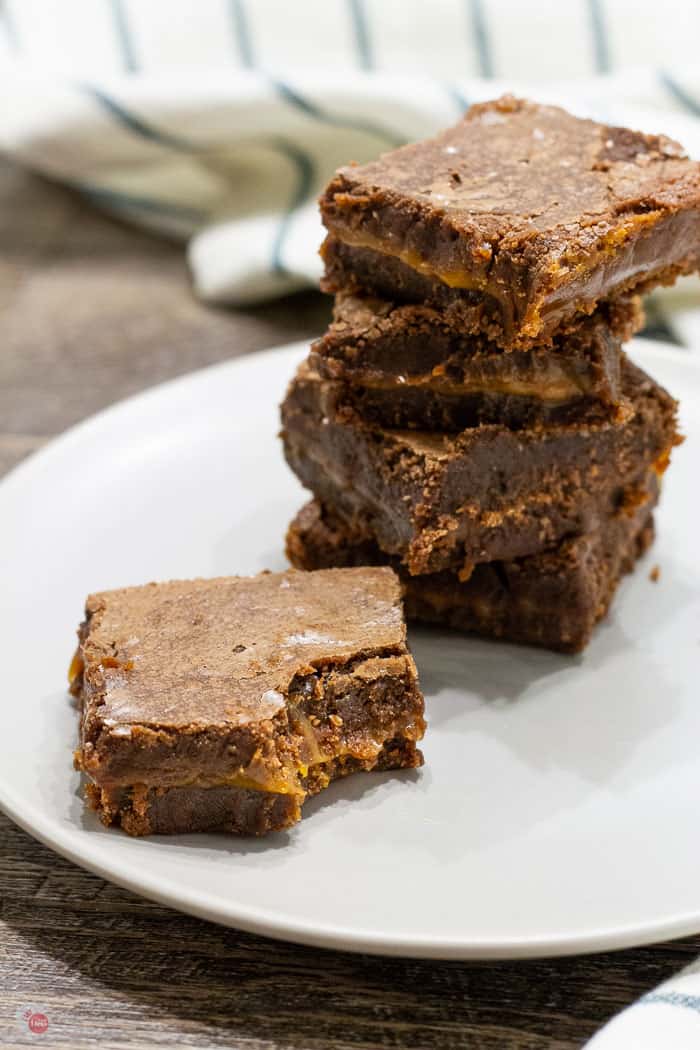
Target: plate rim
x,y
256,920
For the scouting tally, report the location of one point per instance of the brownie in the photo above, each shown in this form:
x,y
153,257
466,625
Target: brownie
x,y
220,705
406,367
553,599
489,493
522,215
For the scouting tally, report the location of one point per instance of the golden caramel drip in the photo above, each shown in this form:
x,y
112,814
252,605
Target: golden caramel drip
x,y
563,388
465,572
456,278
75,671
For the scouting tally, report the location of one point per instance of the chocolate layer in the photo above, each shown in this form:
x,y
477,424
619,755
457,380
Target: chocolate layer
x,y
441,501
553,599
182,810
529,215
406,366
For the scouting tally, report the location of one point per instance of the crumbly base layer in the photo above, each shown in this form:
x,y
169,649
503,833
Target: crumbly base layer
x,y
552,600
142,810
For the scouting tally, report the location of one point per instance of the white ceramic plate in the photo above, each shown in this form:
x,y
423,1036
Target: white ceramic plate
x,y
557,809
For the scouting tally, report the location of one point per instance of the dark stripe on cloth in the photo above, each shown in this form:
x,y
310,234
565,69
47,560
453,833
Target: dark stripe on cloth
x,y
459,99
132,202
123,34
656,325
599,34
241,30
480,36
305,178
8,26
311,109
360,28
688,1002
132,122
679,93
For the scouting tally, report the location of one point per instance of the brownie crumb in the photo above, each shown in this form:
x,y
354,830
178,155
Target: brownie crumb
x,y
655,574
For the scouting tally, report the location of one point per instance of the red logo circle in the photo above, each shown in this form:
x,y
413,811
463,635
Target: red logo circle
x,y
38,1023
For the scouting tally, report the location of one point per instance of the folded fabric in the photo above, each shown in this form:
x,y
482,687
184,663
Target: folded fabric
x,y
666,1019
133,105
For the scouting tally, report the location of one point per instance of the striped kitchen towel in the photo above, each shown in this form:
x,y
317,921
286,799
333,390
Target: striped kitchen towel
x,y
666,1019
218,122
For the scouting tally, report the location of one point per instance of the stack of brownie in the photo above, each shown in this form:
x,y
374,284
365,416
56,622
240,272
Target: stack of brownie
x,y
470,416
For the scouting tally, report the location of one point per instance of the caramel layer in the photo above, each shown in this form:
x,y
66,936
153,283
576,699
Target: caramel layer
x,y
456,278
561,389
285,785
566,272
642,249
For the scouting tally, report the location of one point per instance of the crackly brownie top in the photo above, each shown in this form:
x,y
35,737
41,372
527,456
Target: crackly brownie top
x,y
205,652
511,168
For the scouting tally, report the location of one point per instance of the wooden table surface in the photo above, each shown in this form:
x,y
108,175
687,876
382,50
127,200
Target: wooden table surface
x,y
92,311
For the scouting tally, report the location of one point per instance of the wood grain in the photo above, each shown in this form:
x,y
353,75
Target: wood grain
x,y
92,311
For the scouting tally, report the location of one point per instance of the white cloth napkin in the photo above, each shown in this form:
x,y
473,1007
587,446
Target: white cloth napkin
x,y
218,122
666,1019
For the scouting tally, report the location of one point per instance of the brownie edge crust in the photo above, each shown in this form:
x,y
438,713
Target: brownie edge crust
x,y
221,705
552,600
